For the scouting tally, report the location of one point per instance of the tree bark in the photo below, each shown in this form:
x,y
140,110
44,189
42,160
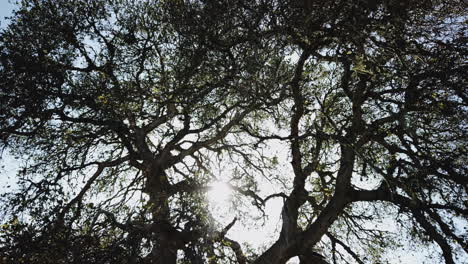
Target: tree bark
x,y
301,242
166,242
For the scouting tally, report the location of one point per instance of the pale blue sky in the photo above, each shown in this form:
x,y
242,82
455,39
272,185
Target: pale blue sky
x,y
6,7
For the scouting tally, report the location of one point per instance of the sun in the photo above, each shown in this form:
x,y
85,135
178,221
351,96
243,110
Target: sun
x,y
220,194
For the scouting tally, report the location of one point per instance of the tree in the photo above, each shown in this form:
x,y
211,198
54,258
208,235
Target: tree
x,y
123,110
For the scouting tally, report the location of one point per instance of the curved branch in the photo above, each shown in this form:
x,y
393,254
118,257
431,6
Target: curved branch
x,y
431,231
89,183
345,247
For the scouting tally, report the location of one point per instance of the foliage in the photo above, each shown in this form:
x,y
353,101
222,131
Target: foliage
x,y
125,112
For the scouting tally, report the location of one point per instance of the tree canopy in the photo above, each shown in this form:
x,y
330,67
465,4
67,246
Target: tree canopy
x,y
124,113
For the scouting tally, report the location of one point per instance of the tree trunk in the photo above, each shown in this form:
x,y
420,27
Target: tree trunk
x,y
164,253
165,245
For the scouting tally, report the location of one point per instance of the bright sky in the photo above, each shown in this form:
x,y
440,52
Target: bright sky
x,y
6,7
220,194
